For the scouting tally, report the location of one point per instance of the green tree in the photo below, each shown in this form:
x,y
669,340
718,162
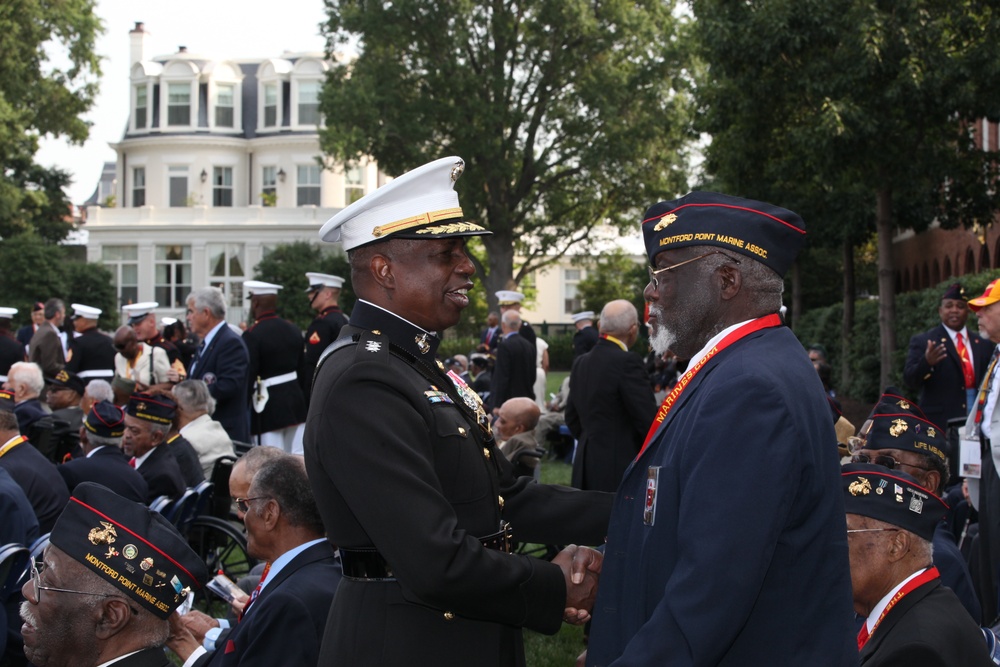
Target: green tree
x,y
612,276
91,285
42,95
568,114
287,265
859,115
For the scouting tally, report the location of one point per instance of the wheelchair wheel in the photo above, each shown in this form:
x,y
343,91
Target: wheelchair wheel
x,y
221,545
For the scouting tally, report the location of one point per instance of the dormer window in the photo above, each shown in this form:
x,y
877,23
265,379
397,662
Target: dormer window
x,y
141,106
225,97
270,105
178,104
309,102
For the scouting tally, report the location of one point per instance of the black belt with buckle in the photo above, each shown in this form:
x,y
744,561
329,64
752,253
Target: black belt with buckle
x,y
367,564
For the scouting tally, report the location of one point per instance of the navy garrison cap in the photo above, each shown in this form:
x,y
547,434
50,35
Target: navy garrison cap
x,y
129,545
158,409
891,496
769,234
954,291
106,420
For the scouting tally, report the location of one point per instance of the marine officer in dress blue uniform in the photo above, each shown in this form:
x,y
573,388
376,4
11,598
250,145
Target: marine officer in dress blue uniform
x,y
407,476
727,543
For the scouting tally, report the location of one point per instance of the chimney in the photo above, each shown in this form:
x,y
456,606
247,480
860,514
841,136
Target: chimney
x,y
137,43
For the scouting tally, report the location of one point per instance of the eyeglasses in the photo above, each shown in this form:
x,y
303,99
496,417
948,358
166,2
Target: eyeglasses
x,y
655,272
37,588
244,503
884,461
872,530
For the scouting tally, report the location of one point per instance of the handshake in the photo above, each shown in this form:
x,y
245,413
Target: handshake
x,y
581,567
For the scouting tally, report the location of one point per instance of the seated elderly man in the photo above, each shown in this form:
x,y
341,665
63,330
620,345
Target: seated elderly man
x,y
147,421
26,381
103,461
34,473
113,573
282,622
195,406
515,429
912,619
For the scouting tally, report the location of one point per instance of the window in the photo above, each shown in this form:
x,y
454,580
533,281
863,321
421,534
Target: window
x,y
222,186
354,187
225,94
269,186
309,103
572,303
308,186
270,105
225,270
139,187
178,104
173,275
140,107
123,263
178,186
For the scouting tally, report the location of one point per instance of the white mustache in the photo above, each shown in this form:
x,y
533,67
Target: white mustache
x,y
27,616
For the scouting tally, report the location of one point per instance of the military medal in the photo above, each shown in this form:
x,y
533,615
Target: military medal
x,y
472,400
649,510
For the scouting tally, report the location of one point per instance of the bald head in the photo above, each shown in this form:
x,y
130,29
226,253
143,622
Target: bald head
x,y
126,341
517,415
620,319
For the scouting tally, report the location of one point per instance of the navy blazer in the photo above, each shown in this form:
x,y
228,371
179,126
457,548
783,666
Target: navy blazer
x,y
284,625
224,365
109,467
44,486
514,370
162,474
727,544
942,386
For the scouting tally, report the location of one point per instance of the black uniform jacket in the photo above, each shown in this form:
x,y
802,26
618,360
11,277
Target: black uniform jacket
x,y
609,410
162,474
584,340
284,626
514,371
275,348
398,462
928,627
321,332
41,483
107,466
942,386
11,352
92,356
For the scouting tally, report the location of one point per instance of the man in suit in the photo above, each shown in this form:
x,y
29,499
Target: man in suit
x,y
490,336
91,353
324,294
147,422
277,366
48,345
25,333
586,335
129,569
30,469
25,380
900,439
738,473
283,621
982,427
514,369
428,578
515,431
194,421
11,351
947,363
510,300
222,361
103,461
911,618
610,405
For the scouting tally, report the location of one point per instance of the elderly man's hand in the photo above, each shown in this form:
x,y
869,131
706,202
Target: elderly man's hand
x,y
197,624
181,641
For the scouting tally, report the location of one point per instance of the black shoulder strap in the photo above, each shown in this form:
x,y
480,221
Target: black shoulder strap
x,y
338,344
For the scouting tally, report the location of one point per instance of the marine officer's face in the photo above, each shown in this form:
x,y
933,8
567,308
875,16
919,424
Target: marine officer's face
x,y
953,313
431,280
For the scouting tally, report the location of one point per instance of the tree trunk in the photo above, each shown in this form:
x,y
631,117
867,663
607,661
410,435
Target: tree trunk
x,y
500,260
848,323
886,285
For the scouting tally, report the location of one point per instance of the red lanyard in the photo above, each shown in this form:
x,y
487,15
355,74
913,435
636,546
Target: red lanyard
x,y
929,574
772,320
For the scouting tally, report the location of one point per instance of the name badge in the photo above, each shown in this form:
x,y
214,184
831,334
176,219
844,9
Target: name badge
x,y
649,511
970,457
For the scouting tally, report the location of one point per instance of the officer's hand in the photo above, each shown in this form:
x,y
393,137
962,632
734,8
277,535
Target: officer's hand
x,y
935,352
198,624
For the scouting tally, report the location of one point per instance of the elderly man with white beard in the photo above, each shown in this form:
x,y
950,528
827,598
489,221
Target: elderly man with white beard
x,y
727,542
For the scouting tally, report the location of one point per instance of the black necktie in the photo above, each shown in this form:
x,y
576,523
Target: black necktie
x,y
197,355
